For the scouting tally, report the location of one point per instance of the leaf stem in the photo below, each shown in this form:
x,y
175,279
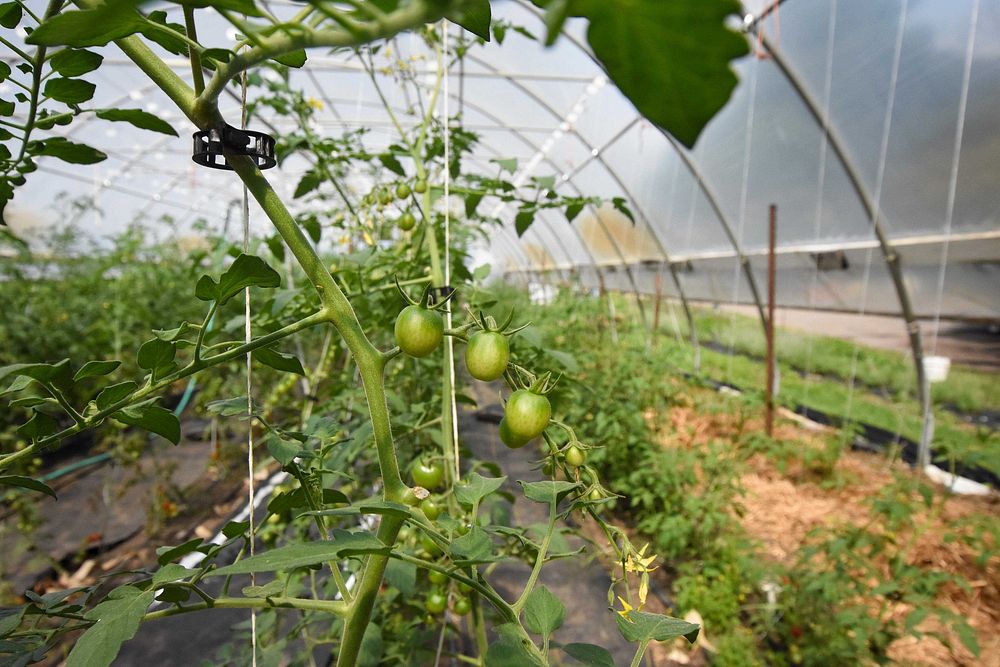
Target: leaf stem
x,y
197,75
336,607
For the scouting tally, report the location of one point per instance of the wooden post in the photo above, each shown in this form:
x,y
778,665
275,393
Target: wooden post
x,y
769,390
656,307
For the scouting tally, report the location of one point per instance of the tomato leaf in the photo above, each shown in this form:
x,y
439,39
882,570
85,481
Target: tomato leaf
x,y
522,221
390,162
288,363
402,576
67,151
474,16
547,491
10,14
138,118
166,554
27,483
246,7
304,554
245,271
590,655
475,487
156,353
39,426
118,618
74,62
544,613
669,57
643,626
508,651
473,547
57,373
116,392
96,369
88,27
152,418
69,91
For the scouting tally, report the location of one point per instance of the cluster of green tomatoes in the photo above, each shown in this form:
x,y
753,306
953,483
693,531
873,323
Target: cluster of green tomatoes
x,y
383,196
419,330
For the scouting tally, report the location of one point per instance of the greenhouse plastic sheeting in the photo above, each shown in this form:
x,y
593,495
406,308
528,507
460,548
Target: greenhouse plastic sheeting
x,y
696,211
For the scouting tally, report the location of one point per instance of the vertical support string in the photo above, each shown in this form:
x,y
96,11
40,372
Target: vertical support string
x,y
447,244
247,336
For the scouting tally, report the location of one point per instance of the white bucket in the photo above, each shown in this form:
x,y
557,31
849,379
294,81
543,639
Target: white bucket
x,y
936,368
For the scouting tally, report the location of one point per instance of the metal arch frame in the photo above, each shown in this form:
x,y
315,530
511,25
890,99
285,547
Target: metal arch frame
x,y
598,155
699,178
875,216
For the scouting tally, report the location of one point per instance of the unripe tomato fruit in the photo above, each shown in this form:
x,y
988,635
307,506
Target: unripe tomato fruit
x,y
508,438
527,414
575,457
420,187
428,475
402,191
430,508
407,221
596,495
486,355
436,577
418,331
461,606
435,603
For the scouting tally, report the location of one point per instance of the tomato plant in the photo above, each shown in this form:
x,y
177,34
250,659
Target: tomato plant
x,y
340,439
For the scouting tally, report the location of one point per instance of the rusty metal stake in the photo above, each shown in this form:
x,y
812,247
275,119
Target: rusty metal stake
x,y
769,390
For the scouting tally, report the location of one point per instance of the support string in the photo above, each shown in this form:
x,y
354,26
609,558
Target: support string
x,y
447,247
247,336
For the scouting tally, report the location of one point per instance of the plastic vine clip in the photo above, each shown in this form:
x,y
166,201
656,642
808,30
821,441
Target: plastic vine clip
x,y
210,144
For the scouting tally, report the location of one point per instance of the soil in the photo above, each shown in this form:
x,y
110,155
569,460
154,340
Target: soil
x,y
782,506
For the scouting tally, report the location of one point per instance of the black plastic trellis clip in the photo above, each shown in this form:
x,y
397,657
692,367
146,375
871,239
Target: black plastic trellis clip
x,y
209,144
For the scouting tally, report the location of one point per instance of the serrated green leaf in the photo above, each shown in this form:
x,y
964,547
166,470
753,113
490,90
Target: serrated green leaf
x,y
473,547
10,14
304,554
96,369
474,16
69,91
547,491
544,613
245,271
89,27
573,210
57,373
671,59
171,572
75,62
309,182
246,7
507,164
39,426
235,528
283,451
287,363
390,162
523,220
166,554
590,655
67,151
152,418
10,619
27,483
475,487
508,651
116,392
269,589
138,118
156,353
402,576
118,618
643,626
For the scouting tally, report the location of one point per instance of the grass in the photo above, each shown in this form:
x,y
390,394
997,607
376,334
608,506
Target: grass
x,y
815,372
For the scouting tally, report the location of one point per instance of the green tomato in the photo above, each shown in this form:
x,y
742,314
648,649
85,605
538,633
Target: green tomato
x,y
430,508
575,457
527,414
402,191
420,187
435,603
461,606
429,545
509,438
385,197
436,577
428,475
406,221
595,494
419,331
486,355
